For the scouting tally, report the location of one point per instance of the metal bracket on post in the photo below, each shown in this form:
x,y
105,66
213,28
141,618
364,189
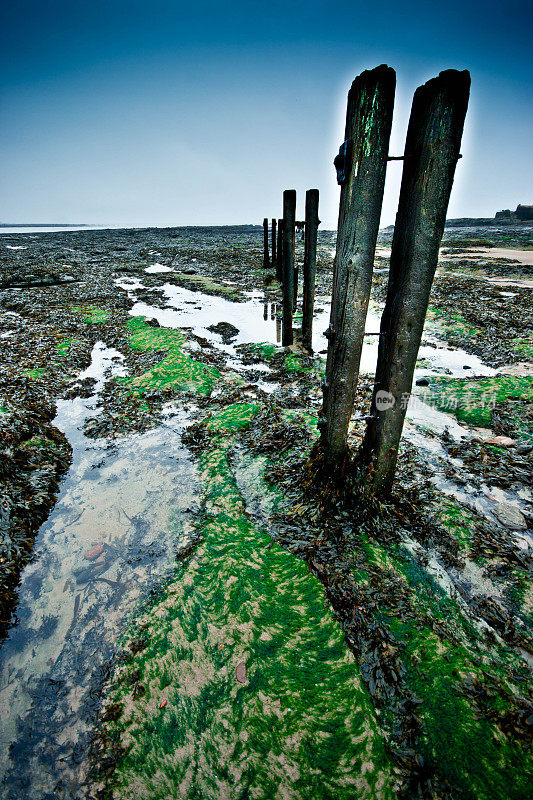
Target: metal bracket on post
x,y
329,333
343,161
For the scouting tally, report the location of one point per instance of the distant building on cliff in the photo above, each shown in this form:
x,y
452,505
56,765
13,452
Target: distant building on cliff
x,y
521,214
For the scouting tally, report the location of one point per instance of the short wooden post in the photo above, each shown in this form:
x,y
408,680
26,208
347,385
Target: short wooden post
x,y
279,262
274,253
289,216
311,230
361,167
431,154
266,255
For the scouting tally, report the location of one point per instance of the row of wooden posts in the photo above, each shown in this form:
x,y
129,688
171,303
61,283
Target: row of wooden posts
x,y
284,261
429,161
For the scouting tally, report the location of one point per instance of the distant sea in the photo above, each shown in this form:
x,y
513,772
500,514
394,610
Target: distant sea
x,y
53,227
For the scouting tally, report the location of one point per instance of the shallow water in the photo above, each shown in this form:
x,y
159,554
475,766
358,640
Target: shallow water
x,y
258,319
111,536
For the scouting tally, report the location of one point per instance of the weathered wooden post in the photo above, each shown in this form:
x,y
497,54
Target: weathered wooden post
x,y
279,262
299,226
431,153
311,230
289,216
266,255
361,167
274,254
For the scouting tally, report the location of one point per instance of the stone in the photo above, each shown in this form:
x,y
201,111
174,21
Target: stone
x,y
524,449
422,382
510,516
225,330
240,672
94,552
501,441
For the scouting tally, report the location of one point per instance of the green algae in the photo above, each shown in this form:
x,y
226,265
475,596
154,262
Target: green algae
x,y
209,286
472,401
64,348
92,314
458,520
249,690
264,350
293,363
452,326
470,752
440,648
524,346
233,417
177,369
288,360
34,374
41,442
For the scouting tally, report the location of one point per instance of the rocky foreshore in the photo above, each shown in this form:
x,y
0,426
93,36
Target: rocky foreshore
x,y
397,635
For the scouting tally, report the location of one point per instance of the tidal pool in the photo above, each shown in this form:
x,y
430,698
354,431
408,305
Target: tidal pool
x,y
121,513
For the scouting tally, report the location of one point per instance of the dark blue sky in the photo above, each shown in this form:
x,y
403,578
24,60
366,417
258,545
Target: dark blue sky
x,y
171,113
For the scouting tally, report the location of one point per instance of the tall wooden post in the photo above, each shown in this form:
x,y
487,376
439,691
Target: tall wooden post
x,y
361,167
274,254
266,255
311,230
279,262
296,275
289,217
431,153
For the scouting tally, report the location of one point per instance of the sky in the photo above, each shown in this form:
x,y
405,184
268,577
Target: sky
x,y
202,113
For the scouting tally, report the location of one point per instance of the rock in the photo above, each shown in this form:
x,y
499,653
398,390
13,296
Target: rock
x,y
240,672
422,382
94,552
501,441
524,449
510,516
190,271
225,330
467,366
152,322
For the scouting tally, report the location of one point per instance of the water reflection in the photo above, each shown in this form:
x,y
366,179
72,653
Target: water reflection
x,y
112,535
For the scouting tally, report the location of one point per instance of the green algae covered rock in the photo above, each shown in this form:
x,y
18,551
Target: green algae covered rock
x,y
248,689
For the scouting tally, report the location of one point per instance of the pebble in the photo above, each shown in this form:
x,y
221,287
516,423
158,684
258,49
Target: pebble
x,y
94,552
502,441
240,672
510,516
